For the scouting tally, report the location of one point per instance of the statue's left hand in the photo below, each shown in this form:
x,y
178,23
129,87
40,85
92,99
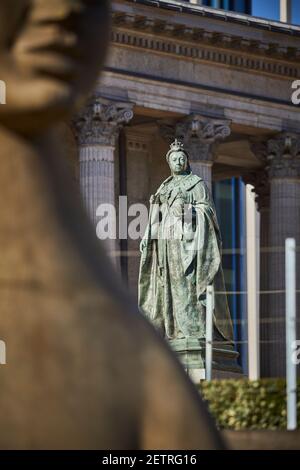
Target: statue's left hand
x,y
143,245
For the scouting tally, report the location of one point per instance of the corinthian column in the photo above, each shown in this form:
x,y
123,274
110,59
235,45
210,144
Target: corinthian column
x,y
284,174
98,128
201,136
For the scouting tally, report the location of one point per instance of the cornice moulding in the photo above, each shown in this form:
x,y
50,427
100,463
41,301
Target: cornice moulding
x,y
217,14
224,50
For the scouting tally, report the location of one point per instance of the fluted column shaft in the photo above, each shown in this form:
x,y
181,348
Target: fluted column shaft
x,y
204,170
96,177
284,172
98,129
284,223
278,194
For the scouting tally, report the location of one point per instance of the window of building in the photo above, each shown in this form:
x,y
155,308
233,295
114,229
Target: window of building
x,y
230,201
270,9
242,6
296,12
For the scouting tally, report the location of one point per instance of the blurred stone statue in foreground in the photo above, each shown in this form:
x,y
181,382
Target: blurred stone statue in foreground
x,y
84,369
181,256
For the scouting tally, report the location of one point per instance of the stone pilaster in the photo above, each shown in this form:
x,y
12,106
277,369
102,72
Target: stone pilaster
x,y
201,136
138,150
98,128
284,173
259,179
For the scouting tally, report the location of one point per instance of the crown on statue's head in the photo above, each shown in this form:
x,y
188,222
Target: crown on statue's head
x,y
176,146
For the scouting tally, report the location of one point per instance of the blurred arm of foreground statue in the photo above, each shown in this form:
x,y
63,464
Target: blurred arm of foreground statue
x,y
84,368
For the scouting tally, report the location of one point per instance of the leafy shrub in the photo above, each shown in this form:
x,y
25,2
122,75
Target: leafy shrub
x,y
245,404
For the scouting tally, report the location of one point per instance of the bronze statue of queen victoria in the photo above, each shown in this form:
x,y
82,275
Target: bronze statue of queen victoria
x,y
181,256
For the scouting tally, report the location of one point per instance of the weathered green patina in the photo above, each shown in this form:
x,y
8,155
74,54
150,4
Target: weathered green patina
x,y
181,256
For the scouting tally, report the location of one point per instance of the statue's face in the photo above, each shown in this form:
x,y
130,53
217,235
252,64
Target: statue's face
x,y
178,163
50,56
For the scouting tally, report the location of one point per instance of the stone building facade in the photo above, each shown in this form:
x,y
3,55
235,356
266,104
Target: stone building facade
x,y
222,81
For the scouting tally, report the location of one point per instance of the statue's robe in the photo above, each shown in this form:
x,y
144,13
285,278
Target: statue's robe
x,y
180,258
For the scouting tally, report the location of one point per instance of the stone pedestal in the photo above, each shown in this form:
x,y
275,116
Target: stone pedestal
x,y
191,353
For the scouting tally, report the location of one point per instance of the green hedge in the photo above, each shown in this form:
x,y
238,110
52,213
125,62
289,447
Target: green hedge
x,y
244,404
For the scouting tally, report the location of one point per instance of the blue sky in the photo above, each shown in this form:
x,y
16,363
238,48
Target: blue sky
x,y
270,9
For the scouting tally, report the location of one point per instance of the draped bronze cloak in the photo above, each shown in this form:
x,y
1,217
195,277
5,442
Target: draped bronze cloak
x,y
175,271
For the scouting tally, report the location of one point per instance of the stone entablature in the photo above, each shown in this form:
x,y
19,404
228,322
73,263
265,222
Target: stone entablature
x,y
219,57
264,52
200,45
176,62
